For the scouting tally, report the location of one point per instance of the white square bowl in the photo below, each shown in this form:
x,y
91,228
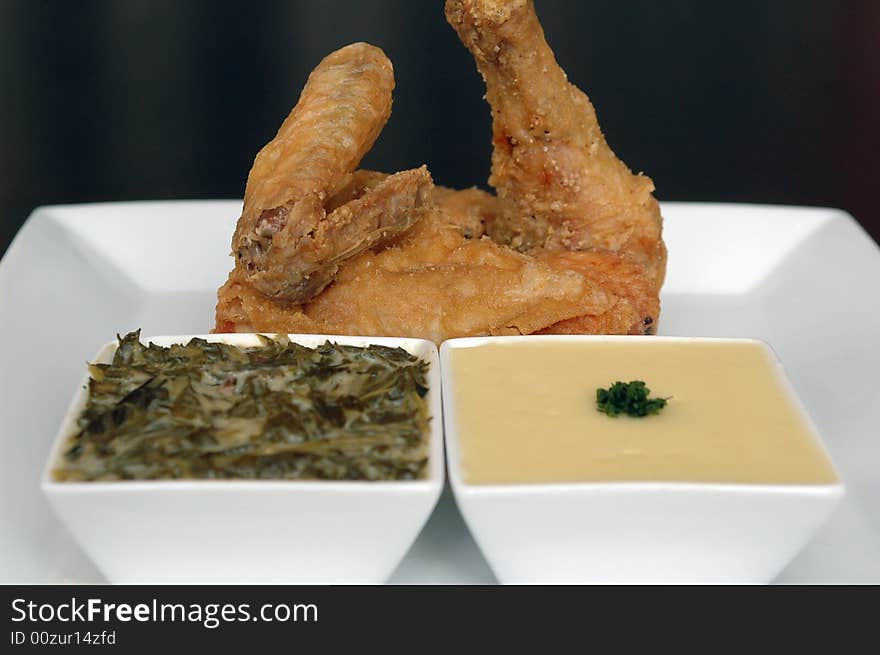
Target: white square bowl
x,y
250,531
634,532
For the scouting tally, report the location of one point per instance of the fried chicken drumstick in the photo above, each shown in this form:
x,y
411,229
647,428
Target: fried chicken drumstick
x,y
571,243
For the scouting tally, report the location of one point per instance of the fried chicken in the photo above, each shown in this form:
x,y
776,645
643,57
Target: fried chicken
x,y
560,184
289,242
571,243
439,280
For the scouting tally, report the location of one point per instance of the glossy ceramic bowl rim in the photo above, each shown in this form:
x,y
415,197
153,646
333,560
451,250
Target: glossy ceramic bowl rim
x,y
436,461
617,486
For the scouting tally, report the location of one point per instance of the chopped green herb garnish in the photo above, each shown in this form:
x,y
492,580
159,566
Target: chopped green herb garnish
x,y
279,411
629,398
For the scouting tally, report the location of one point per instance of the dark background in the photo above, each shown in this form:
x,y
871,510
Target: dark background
x,y
757,101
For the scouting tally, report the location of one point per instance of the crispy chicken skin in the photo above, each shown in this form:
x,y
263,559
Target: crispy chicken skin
x,y
561,185
288,242
636,304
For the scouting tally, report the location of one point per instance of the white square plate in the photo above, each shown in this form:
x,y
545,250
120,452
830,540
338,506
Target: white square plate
x,y
804,280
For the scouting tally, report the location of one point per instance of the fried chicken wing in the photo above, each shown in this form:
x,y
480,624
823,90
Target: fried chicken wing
x,y
561,185
289,242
